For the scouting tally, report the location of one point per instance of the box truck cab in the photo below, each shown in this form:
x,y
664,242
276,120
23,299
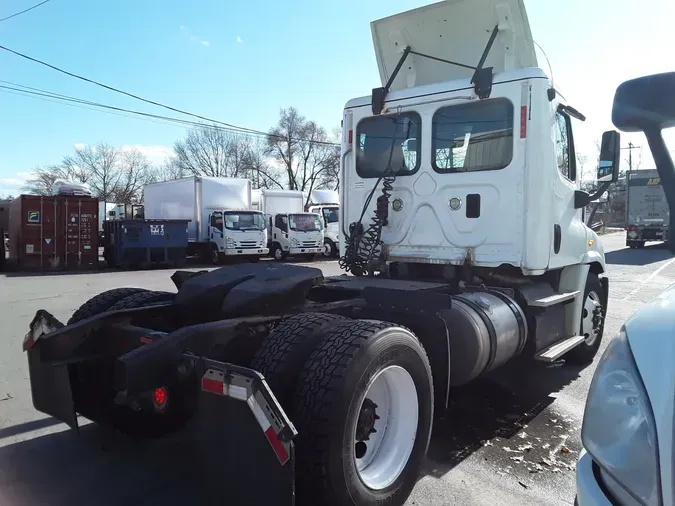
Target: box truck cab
x,y
291,231
222,223
325,203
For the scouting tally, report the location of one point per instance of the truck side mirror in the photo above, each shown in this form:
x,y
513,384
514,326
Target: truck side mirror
x,y
608,168
645,104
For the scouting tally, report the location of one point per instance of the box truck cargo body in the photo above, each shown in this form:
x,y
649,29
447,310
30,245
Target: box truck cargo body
x,y
291,230
326,203
647,211
222,223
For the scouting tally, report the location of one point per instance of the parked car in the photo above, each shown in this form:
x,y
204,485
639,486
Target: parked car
x,y
627,432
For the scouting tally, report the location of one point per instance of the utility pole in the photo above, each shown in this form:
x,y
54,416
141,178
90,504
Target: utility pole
x,y
630,149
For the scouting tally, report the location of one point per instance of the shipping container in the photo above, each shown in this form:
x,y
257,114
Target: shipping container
x,y
53,232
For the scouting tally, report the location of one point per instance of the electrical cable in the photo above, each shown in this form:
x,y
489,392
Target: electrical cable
x,y
152,102
69,100
363,245
24,11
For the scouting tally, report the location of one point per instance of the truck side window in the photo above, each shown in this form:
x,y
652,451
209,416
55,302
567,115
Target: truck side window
x,y
281,222
217,221
390,140
564,151
473,137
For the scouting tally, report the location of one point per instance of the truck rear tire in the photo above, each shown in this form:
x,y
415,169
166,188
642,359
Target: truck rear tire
x,y
364,411
285,349
145,424
101,303
142,299
592,323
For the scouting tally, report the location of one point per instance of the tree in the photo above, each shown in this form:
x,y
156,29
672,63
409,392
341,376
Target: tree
x,y
97,166
113,174
211,151
257,164
43,178
135,172
304,150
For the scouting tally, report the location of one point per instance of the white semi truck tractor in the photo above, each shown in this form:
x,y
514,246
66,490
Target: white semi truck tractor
x,y
222,224
325,203
460,222
290,230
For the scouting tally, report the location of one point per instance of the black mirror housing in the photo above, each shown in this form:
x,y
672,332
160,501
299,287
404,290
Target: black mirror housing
x,y
645,104
608,168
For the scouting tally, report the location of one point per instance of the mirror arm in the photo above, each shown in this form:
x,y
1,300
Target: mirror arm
x,y
582,198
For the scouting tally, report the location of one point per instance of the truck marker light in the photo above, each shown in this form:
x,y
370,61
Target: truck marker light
x,y
146,340
160,397
591,242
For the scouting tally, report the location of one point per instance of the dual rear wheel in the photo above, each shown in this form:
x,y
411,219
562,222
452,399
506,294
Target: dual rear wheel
x,y
360,394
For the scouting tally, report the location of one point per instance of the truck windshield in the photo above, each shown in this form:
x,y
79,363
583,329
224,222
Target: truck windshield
x,y
305,222
244,221
331,214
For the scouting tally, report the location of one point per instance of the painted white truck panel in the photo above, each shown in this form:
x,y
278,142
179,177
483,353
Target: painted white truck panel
x,y
194,198
456,30
281,201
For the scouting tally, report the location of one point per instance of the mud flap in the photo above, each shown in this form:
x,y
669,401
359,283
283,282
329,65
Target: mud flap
x,y
243,439
51,390
49,383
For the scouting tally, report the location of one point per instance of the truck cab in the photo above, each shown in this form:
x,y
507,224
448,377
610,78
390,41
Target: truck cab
x,y
325,203
237,232
465,167
291,231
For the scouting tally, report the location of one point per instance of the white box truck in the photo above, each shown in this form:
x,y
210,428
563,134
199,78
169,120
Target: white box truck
x,y
291,231
325,203
222,223
647,211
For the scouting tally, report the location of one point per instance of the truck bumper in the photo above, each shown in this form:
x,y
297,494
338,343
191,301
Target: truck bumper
x,y
305,251
240,434
245,252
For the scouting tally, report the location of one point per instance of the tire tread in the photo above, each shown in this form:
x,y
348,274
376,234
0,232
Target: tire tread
x,y
102,302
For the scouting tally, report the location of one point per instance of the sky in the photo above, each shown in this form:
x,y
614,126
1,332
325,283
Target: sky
x,y
241,62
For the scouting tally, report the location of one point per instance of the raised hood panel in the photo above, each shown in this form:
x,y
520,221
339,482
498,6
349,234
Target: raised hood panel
x,y
456,30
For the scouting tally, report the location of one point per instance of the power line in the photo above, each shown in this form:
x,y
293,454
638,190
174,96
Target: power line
x,y
32,92
152,102
24,11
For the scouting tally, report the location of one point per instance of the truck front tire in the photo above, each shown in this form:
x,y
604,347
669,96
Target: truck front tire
x,y
592,323
364,411
329,249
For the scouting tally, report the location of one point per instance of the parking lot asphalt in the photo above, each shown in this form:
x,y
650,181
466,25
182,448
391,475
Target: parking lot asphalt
x,y
512,438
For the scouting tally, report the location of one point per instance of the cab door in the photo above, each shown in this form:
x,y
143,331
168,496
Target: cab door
x,y
569,232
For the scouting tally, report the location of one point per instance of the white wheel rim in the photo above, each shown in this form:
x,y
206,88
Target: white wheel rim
x,y
590,330
277,254
389,448
327,250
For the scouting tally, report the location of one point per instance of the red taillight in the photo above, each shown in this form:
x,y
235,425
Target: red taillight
x,y
159,397
523,121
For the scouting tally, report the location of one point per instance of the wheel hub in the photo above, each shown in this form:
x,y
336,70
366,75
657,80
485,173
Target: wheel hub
x,y
365,426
